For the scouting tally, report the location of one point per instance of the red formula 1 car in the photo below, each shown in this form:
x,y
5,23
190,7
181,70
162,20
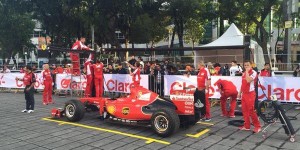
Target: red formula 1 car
x,y
141,106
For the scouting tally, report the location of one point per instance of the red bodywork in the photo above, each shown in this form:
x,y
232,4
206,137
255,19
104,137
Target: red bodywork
x,y
129,107
134,106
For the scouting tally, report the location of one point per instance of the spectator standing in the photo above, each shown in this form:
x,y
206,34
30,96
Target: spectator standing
x,y
247,95
132,60
109,69
296,72
266,72
140,59
211,69
29,81
235,70
217,68
120,69
225,70
159,78
5,69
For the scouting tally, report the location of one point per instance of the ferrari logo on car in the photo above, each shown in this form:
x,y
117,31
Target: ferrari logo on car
x,y
125,111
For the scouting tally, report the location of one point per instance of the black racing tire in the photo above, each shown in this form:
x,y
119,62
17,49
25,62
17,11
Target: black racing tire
x,y
74,110
165,122
268,111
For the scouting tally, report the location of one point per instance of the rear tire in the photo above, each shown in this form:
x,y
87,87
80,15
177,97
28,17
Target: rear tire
x,y
165,122
74,110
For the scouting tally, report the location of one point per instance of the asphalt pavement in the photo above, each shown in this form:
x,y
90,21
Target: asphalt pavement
x,y
23,131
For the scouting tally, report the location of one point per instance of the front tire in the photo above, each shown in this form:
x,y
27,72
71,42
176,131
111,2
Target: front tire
x,y
74,110
165,122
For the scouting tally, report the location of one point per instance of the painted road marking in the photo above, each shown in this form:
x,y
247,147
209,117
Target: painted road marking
x,y
147,139
198,134
206,123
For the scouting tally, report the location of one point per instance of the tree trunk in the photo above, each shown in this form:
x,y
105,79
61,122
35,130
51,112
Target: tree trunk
x,y
173,37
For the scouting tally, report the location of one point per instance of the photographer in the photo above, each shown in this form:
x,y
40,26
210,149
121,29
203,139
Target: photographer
x,y
235,70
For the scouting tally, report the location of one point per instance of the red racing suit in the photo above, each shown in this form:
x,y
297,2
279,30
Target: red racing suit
x,y
78,45
202,78
248,100
228,89
47,80
136,77
89,78
98,78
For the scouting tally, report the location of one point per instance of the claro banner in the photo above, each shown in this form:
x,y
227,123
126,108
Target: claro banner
x,y
8,80
287,89
113,82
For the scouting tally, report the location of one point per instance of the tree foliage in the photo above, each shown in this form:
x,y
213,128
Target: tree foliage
x,y
16,27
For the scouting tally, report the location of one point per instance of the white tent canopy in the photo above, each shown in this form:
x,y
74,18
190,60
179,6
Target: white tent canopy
x,y
234,37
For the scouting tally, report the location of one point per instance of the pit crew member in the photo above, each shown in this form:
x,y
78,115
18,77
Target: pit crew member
x,y
247,93
227,90
98,77
47,81
28,81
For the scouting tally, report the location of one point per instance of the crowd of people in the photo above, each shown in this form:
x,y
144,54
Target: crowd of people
x,y
94,74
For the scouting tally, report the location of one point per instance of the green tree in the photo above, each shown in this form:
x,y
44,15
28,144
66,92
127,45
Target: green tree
x,y
16,28
194,31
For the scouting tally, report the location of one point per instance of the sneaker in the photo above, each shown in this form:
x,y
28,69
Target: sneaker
x,y
223,115
232,116
45,103
207,119
244,128
30,111
257,130
25,110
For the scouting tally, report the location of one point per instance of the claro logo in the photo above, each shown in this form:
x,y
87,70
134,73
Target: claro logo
x,y
282,94
180,87
66,83
119,86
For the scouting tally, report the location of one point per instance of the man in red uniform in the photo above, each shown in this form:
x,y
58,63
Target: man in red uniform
x,y
88,66
98,78
266,72
248,94
78,45
136,74
28,81
203,84
227,89
47,81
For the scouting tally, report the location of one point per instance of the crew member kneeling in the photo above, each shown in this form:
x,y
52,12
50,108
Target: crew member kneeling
x,y
29,81
227,89
47,81
248,98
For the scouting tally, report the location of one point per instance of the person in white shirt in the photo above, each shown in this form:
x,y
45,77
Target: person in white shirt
x,y
5,69
235,70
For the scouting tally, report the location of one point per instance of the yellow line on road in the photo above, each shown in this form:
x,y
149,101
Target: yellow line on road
x,y
206,123
198,134
148,140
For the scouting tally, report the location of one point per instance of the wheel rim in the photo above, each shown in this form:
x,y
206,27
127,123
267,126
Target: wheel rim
x,y
161,123
70,110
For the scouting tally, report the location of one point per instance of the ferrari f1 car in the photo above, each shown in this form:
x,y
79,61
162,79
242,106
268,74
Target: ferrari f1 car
x,y
140,106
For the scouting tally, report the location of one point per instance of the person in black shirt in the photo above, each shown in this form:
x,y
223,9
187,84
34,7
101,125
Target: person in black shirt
x,y
120,69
